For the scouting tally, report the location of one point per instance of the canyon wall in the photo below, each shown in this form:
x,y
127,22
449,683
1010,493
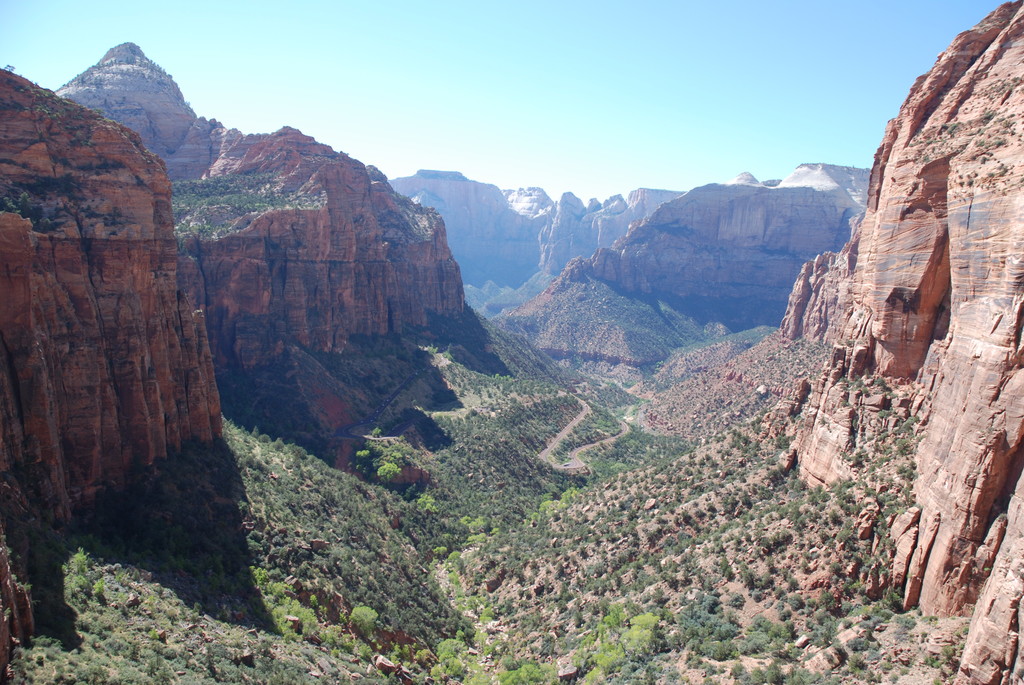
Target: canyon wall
x,y
317,246
493,236
931,297
105,363
720,257
730,252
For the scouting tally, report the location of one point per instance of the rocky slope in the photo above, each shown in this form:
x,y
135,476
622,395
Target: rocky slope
x,y
934,301
131,89
505,237
106,365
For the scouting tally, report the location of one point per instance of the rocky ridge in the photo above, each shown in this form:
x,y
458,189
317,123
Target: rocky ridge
x,y
930,297
106,366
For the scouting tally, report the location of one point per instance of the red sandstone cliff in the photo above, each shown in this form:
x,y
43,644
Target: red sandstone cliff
x,y
317,249
935,300
366,261
104,364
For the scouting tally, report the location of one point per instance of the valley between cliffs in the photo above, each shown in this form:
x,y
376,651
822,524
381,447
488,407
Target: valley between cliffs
x,y
836,502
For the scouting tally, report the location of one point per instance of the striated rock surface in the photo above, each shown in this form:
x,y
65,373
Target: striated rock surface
x,y
104,363
935,300
508,236
366,261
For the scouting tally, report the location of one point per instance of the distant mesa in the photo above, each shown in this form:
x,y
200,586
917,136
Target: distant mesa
x,y
441,175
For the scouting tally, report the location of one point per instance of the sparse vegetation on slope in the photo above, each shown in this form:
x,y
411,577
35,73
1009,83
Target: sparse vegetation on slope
x,y
213,207
700,391
715,562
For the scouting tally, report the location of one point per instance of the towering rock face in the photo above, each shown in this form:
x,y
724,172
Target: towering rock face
x,y
295,248
493,236
936,299
508,236
133,90
361,260
104,364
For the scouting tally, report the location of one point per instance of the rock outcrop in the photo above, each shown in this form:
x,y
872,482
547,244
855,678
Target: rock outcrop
x,y
934,296
133,90
821,294
105,363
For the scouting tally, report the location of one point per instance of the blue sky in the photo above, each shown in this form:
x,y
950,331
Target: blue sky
x,y
591,97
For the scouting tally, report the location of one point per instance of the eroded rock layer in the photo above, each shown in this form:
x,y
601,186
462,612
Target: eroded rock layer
x,y
106,361
935,301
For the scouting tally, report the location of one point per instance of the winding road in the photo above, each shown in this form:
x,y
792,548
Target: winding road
x,y
574,464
